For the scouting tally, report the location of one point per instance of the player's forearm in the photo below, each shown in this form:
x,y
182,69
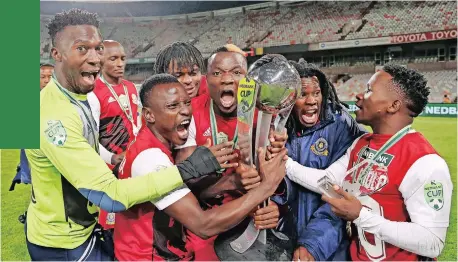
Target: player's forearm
x,y
304,176
308,177
224,184
119,195
115,195
406,235
220,219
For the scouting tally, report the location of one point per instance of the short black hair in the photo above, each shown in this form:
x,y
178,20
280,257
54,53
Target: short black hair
x,y
223,49
220,49
185,54
46,65
152,81
412,86
73,16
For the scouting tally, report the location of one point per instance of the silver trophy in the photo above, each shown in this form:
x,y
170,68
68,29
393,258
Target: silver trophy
x,y
276,86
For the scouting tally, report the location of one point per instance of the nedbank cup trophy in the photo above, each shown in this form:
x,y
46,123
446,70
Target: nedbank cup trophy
x,y
272,86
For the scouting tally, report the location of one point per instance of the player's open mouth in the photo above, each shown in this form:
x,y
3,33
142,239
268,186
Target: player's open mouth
x,y
189,89
182,129
227,98
89,77
310,116
359,107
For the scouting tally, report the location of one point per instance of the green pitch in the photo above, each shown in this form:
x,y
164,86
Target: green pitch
x,y
441,132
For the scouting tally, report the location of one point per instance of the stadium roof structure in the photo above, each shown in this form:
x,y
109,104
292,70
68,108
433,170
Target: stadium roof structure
x,y
136,8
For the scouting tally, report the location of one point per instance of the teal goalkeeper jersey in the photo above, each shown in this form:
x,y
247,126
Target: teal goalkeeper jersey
x,y
71,181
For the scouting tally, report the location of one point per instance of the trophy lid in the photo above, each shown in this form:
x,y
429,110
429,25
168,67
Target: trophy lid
x,y
279,83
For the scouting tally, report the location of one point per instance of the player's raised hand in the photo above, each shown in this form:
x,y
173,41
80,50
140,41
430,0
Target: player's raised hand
x,y
348,207
249,176
267,217
223,153
277,143
272,171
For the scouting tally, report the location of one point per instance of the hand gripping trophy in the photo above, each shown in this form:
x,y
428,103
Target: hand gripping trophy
x,y
272,86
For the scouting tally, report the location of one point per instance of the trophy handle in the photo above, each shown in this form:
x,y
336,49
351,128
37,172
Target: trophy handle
x,y
251,234
281,118
279,125
264,121
262,140
262,133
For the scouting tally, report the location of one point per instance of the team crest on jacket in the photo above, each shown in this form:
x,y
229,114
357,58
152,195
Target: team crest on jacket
x,y
320,147
434,195
110,219
55,133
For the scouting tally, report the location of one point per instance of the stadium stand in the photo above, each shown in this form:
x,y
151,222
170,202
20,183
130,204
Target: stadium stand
x,y
348,90
426,59
45,42
441,83
289,23
311,23
394,18
286,24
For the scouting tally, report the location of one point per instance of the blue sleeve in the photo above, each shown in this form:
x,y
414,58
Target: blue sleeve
x,y
286,192
23,172
323,234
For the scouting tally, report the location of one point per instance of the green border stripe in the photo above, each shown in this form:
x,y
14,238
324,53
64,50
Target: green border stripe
x,y
20,90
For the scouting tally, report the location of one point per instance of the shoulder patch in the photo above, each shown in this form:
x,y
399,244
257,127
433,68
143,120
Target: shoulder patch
x,y
55,133
159,168
434,194
320,147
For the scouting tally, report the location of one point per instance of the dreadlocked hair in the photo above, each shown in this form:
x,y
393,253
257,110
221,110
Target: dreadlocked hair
x,y
412,86
73,16
328,91
185,55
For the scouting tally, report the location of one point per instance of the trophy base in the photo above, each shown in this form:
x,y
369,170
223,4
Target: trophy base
x,y
274,250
